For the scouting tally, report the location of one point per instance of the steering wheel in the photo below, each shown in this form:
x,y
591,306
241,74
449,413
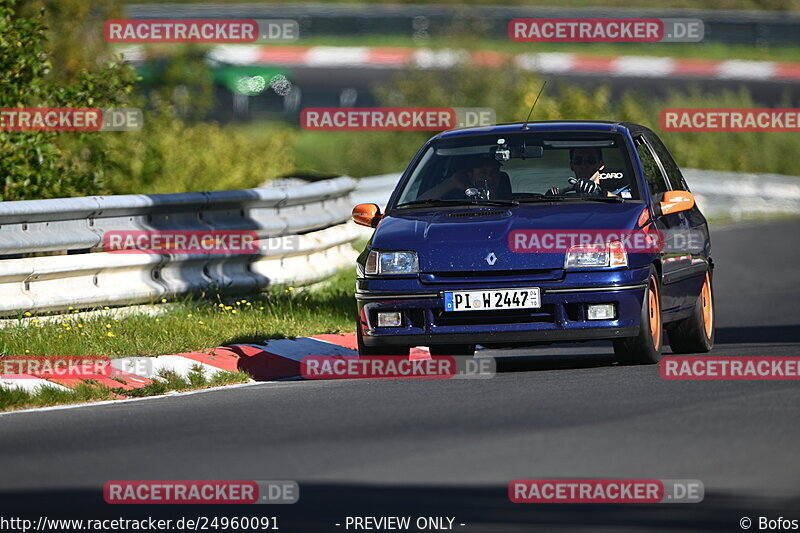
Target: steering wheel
x,y
569,190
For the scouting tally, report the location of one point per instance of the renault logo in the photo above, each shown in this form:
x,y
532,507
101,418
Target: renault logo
x,y
491,258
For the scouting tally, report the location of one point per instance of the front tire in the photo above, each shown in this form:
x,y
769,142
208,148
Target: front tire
x,y
695,334
645,348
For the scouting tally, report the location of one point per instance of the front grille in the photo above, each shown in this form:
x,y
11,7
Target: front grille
x,y
544,274
489,276
476,318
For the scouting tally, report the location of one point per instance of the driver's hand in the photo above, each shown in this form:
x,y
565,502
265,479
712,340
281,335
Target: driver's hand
x,y
596,176
587,187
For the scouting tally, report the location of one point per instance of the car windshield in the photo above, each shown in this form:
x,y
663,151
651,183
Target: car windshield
x,y
521,167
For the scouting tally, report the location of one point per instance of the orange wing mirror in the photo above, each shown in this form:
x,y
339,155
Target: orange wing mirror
x,y
676,201
367,215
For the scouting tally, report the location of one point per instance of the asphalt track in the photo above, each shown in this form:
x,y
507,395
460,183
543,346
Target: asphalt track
x,y
450,447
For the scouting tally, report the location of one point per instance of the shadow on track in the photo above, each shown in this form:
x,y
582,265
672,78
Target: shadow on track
x,y
551,357
530,363
752,334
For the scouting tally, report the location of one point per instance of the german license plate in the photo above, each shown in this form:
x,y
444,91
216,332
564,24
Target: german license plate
x,y
492,299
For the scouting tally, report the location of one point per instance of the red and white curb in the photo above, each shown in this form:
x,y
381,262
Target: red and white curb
x,y
545,62
27,383
278,359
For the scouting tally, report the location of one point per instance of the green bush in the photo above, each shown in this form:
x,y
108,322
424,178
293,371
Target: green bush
x,y
370,153
40,164
67,66
170,155
356,154
510,93
734,151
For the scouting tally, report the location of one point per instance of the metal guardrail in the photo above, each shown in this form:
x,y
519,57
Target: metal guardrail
x,y
754,28
376,189
742,195
69,267
84,275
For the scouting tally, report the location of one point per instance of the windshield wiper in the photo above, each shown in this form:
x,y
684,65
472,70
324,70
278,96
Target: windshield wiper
x,y
495,202
437,201
539,198
432,201
612,199
607,199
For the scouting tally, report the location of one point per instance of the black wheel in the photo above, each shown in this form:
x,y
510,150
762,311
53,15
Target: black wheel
x,y
645,348
453,349
695,334
378,350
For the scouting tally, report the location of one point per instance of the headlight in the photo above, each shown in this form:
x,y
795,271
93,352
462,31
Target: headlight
x,y
610,254
392,263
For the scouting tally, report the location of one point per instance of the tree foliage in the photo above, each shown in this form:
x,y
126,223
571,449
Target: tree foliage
x,y
51,164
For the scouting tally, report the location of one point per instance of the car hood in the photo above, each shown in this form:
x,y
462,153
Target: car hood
x,y
460,239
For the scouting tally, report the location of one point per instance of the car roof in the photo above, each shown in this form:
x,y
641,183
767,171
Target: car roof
x,y
543,126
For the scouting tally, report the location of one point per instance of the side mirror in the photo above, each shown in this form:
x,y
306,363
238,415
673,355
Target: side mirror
x,y
676,201
367,215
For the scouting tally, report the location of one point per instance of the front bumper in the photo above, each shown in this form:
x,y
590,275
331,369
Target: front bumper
x,y
562,316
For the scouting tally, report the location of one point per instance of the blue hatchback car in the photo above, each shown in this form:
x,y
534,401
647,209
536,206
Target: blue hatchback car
x,y
540,232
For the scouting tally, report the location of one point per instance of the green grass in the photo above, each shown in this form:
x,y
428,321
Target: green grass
x,y
196,379
12,398
191,324
194,324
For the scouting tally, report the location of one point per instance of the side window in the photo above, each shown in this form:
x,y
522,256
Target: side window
x,y
673,172
652,173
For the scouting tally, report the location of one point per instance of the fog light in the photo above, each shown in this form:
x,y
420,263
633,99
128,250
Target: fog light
x,y
601,312
389,320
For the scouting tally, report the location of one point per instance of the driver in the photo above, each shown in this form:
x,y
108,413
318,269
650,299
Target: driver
x,y
473,172
586,163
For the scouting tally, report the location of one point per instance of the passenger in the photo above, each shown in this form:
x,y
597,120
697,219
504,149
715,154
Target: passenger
x,y
472,174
